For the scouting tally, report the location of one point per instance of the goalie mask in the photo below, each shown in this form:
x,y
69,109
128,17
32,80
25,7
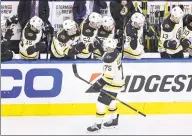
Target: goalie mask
x,y
95,20
109,44
108,23
70,27
138,20
36,24
176,14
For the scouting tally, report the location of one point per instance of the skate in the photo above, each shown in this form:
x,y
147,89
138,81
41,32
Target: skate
x,y
112,123
94,128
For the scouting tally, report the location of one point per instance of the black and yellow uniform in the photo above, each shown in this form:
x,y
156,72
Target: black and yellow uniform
x,y
171,34
112,79
88,35
62,43
31,43
102,34
133,46
186,41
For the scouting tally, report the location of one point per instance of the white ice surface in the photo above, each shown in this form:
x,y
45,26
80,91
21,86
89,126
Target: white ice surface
x,y
68,125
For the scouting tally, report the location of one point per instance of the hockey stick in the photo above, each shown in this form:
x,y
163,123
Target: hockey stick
x,y
74,66
48,46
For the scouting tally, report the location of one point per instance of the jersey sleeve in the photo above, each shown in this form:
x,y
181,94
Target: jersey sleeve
x,y
130,36
59,49
166,33
60,45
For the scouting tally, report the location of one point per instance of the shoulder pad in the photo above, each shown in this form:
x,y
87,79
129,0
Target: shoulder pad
x,y
63,37
29,34
110,57
168,25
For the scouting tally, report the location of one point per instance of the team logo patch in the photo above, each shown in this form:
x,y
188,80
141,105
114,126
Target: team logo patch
x,y
88,30
108,57
102,32
62,37
167,26
30,34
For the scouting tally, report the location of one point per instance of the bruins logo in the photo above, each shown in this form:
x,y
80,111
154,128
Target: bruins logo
x,y
102,32
179,33
62,37
124,10
167,26
30,34
88,30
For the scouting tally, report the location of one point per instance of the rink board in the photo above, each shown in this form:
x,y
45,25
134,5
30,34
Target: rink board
x,y
154,86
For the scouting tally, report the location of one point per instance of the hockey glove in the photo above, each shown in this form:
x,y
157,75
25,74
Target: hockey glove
x,y
185,43
170,44
48,29
40,46
79,47
97,43
30,50
99,84
13,19
149,33
8,34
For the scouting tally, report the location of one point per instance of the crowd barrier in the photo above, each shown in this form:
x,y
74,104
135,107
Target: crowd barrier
x,y
45,87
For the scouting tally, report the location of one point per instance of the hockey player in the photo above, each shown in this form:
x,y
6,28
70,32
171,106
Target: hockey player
x,y
32,41
89,30
107,30
65,42
133,46
171,32
186,40
112,82
6,34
